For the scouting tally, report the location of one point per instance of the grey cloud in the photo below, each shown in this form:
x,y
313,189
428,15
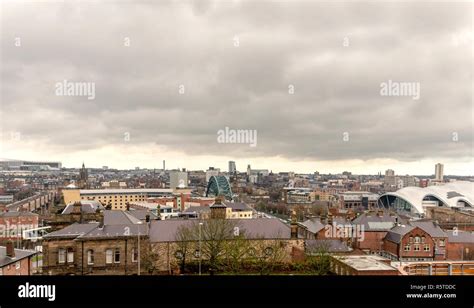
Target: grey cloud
x,y
281,43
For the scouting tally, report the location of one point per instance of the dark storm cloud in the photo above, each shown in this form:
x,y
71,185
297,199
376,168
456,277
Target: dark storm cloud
x,y
246,87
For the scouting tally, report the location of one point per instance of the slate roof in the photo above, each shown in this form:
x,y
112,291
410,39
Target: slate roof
x,y
19,254
141,214
238,206
395,234
72,231
332,246
17,214
314,225
429,227
460,236
268,228
115,231
116,217
375,222
87,206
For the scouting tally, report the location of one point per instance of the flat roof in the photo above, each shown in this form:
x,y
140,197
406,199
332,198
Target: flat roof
x,y
124,191
366,263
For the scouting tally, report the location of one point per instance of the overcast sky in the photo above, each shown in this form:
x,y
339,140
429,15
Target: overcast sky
x,y
236,61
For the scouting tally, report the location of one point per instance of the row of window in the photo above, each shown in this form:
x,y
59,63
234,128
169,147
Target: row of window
x,y
111,256
418,239
17,266
416,247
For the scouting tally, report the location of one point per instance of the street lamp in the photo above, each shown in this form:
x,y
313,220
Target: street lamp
x,y
200,250
138,227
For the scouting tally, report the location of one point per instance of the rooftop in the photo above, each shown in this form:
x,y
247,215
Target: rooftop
x,y
366,263
19,254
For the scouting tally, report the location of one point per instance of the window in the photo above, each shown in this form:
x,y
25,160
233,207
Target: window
x,y
61,256
442,243
407,247
411,239
134,255
426,247
17,264
417,247
417,239
117,255
70,255
90,257
108,256
422,239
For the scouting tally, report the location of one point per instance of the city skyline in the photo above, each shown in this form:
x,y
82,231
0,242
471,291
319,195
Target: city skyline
x,y
311,93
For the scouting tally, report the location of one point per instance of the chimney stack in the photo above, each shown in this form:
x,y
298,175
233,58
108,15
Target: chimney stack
x,y
330,219
10,249
101,219
76,207
323,218
293,226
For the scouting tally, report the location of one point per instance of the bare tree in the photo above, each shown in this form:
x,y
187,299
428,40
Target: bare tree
x,y
268,254
319,259
235,251
215,233
184,237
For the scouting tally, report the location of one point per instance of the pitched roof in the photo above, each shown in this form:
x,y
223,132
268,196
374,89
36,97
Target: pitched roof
x,y
87,206
19,254
376,222
268,228
17,214
395,234
329,245
116,217
238,206
72,231
141,214
197,209
114,231
460,236
429,227
313,225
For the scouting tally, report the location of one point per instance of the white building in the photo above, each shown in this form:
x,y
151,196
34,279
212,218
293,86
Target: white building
x,y
178,179
439,172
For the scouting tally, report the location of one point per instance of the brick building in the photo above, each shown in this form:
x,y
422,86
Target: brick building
x,y
15,262
362,265
408,243
13,223
460,245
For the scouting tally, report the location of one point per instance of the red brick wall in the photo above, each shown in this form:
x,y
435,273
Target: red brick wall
x,y
401,253
23,222
460,251
25,266
373,240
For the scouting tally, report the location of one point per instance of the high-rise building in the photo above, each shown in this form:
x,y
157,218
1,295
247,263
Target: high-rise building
x,y
178,179
439,172
232,168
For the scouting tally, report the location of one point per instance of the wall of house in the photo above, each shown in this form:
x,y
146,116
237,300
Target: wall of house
x,y
460,251
19,268
373,241
80,265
